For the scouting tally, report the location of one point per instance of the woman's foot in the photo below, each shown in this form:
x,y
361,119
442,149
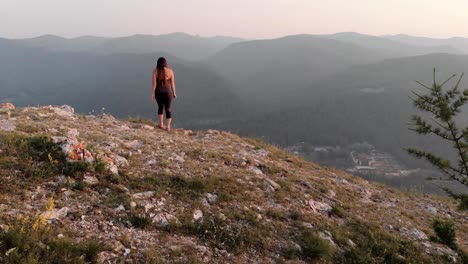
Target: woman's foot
x,y
161,126
168,128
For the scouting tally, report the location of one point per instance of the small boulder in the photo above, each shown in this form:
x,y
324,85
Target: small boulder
x,y
102,257
143,195
118,247
110,165
212,198
197,215
275,185
7,106
319,207
221,216
161,220
418,234
414,233
55,214
120,161
90,180
256,170
133,144
147,127
72,148
327,236
179,159
120,208
63,110
261,152
148,207
431,209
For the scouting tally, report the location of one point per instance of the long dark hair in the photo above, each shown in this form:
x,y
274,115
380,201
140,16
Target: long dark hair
x,y
162,63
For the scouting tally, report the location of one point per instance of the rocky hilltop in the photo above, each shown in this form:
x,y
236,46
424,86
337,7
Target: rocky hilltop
x,y
77,189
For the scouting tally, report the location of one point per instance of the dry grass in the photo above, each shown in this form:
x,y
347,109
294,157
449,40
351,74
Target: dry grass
x,y
219,164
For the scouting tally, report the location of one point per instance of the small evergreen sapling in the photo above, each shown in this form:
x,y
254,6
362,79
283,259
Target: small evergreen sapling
x,y
443,106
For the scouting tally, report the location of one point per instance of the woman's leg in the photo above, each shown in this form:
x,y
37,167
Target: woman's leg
x,y
161,121
168,112
169,121
160,102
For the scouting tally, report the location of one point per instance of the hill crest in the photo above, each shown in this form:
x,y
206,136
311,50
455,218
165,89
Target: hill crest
x,y
206,196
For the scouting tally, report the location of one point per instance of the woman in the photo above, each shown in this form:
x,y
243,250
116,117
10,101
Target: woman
x,y
164,91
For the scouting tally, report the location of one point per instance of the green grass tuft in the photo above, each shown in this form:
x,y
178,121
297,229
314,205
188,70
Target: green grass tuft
x,y
139,221
313,246
338,211
445,233
373,245
79,186
463,206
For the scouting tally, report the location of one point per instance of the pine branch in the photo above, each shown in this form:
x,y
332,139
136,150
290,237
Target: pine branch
x,y
444,106
451,77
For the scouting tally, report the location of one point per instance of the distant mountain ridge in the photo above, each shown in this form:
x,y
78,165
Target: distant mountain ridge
x,y
183,45
58,43
394,47
456,42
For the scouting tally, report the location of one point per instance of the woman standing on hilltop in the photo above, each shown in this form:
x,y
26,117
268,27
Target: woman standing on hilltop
x,y
164,91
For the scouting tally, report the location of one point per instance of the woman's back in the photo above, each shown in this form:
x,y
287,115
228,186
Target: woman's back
x,y
163,81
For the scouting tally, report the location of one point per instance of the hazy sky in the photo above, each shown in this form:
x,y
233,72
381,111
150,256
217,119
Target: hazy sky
x,y
243,18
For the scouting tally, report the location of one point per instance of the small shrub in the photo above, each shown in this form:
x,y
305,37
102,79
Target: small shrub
x,y
228,159
117,198
139,221
151,257
295,215
445,232
37,157
291,251
463,206
99,166
91,250
79,186
27,128
219,233
179,182
224,197
313,246
183,187
76,168
373,245
276,214
31,240
338,211
269,169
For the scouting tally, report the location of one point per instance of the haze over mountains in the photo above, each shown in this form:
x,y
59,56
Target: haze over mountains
x,y
180,44
456,42
323,89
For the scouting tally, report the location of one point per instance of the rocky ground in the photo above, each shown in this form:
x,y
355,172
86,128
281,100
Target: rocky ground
x,y
146,195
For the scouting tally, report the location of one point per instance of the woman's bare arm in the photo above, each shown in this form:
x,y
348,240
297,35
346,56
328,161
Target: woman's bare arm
x,y
173,85
154,85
